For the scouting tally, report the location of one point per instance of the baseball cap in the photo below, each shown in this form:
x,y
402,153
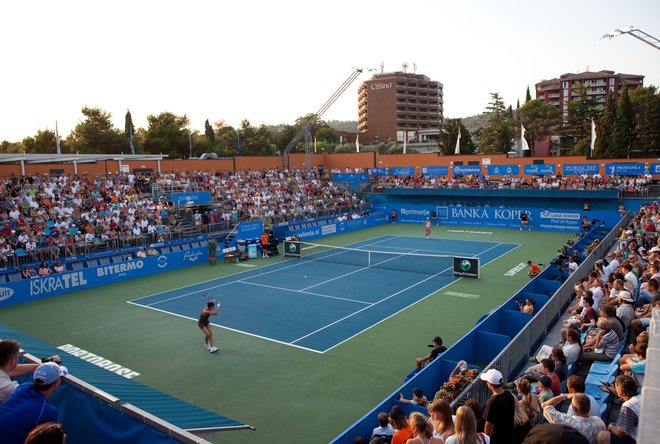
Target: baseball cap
x,y
629,232
437,339
545,381
655,250
48,373
492,376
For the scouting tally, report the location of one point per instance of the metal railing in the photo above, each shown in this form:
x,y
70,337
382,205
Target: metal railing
x,y
510,359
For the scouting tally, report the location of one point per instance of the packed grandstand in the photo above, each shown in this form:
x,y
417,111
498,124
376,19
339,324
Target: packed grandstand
x,y
50,222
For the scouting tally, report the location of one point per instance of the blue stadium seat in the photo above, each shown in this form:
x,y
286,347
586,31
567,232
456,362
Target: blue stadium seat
x,y
77,265
92,263
597,380
605,368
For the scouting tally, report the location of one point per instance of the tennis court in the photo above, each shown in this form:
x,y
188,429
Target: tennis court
x,y
331,295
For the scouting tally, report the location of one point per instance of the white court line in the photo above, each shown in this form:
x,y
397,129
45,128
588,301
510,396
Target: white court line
x,y
495,246
292,344
227,328
369,306
392,315
355,271
419,300
233,281
304,292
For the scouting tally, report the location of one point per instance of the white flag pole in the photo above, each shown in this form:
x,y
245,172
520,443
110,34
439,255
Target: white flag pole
x,y
593,136
357,142
57,139
458,142
525,145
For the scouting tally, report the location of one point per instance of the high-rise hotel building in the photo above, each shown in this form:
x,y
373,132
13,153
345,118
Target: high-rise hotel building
x,y
396,105
559,92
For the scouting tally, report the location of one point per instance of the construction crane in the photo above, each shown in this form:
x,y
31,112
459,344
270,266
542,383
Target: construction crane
x,y
305,132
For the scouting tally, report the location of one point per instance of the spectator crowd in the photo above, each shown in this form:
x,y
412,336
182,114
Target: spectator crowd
x,y
46,217
584,389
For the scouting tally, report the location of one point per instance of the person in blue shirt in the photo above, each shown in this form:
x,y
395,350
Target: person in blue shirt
x,y
28,406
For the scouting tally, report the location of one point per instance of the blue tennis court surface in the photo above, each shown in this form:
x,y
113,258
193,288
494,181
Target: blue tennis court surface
x,y
315,304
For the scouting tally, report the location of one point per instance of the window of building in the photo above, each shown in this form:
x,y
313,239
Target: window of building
x,y
612,82
564,85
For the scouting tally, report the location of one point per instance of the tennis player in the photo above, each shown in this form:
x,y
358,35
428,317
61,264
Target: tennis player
x,y
524,221
427,227
204,324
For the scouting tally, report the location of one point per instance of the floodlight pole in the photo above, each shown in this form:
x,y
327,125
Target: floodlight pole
x,y
637,33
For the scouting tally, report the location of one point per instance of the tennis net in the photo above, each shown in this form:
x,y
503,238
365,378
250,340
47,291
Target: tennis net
x,y
402,261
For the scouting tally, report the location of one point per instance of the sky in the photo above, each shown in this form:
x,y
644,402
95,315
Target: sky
x,y
273,61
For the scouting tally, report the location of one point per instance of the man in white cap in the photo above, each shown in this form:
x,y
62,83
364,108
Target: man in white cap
x,y
500,409
28,406
625,310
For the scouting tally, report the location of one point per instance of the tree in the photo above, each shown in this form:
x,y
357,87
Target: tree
x,y
528,96
538,118
166,133
129,131
327,134
622,135
96,134
208,132
43,142
225,136
605,128
496,136
449,134
646,104
581,110
256,141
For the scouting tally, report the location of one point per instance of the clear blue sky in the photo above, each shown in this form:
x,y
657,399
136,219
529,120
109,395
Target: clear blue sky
x,y
272,61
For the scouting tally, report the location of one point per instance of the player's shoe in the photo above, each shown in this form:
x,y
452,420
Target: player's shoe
x,y
213,349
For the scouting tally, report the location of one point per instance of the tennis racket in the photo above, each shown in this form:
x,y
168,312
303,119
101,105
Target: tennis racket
x,y
208,298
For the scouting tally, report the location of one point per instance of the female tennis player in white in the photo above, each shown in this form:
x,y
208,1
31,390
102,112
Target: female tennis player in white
x,y
427,227
204,324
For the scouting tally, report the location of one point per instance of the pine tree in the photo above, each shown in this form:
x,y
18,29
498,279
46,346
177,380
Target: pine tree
x,y
208,131
622,135
646,104
605,128
528,96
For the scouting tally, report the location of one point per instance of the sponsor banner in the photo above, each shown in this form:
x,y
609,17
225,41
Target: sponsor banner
x,y
345,226
192,198
458,170
489,217
292,248
624,169
466,267
382,171
655,168
59,283
350,177
573,169
402,171
542,169
435,171
327,230
502,170
249,230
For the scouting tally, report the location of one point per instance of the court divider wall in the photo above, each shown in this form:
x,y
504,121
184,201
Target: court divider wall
x,y
503,339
